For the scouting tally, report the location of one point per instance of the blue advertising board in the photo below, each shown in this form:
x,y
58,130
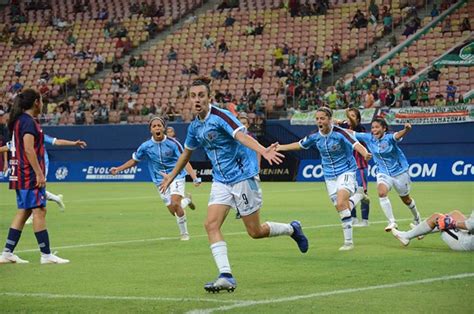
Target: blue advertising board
x,y
421,169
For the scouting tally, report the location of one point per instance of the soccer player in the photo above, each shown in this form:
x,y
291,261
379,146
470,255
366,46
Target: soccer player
x,y
335,146
457,231
170,132
27,177
354,123
162,152
392,167
58,199
235,179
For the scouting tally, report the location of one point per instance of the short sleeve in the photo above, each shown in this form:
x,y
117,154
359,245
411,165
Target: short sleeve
x,y
228,122
177,147
28,127
346,136
393,139
306,142
49,140
140,154
363,137
191,142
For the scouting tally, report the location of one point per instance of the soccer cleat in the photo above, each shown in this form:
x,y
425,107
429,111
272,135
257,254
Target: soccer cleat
x,y
221,283
397,234
347,247
299,236
29,221
53,259
7,257
391,226
362,223
185,237
60,202
191,204
355,220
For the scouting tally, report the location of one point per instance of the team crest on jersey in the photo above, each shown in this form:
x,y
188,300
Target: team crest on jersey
x,y
61,173
211,135
168,153
335,147
383,146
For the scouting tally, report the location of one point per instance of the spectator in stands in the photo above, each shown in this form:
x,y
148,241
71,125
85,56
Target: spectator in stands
x,y
390,99
132,61
424,91
103,14
208,42
70,39
327,64
405,92
413,94
223,47
278,54
465,25
434,11
193,68
259,28
223,73
18,67
17,40
451,90
250,74
412,26
411,69
433,74
369,99
99,60
358,21
259,71
374,10
281,72
90,84
250,30
375,53
439,101
140,62
392,42
101,114
116,66
152,28
172,54
214,73
50,55
293,6
292,58
44,75
447,26
160,12
229,20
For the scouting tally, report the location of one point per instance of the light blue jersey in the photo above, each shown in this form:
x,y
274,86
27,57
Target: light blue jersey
x,y
335,149
161,156
47,140
231,161
388,157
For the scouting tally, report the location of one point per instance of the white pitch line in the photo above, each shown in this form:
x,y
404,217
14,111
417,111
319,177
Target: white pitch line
x,y
330,293
111,297
77,246
155,197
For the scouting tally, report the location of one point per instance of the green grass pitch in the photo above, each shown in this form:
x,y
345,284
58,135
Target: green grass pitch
x,y
126,257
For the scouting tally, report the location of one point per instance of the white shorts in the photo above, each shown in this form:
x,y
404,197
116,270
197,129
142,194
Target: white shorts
x,y
346,181
176,188
401,183
465,241
245,196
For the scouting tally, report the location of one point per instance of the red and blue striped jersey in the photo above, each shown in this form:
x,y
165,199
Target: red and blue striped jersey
x,y
360,161
22,176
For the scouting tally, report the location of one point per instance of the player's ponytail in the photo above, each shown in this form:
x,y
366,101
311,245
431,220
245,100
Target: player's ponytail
x,y
22,102
382,122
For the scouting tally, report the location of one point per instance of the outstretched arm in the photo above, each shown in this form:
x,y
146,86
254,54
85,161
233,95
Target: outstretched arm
x,y
288,147
123,167
358,147
183,160
403,132
189,169
269,153
61,142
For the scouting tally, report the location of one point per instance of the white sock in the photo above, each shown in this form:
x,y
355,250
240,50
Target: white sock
x,y
219,251
182,224
185,202
355,199
387,208
278,229
413,210
420,229
346,220
52,197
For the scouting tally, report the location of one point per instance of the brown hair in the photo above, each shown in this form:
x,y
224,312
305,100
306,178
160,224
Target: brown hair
x,y
22,102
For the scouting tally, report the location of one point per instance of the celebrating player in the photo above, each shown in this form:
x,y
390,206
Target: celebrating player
x,y
235,179
392,167
339,166
27,169
162,152
456,230
354,123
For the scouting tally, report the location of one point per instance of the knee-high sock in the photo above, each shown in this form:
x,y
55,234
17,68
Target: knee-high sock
x,y
414,210
182,224
420,229
185,202
346,220
277,229
387,208
219,251
12,240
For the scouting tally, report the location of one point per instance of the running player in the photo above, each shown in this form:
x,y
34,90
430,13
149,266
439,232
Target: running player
x,y
235,179
162,152
354,123
27,177
392,167
457,231
335,146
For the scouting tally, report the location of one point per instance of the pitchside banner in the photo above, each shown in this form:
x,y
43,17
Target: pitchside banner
x,y
309,118
462,55
421,169
428,115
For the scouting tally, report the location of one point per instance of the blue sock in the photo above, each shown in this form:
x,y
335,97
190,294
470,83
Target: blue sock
x,y
354,213
12,240
43,241
364,208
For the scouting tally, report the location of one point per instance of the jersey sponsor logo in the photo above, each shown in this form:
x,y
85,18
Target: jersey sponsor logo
x,y
61,173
